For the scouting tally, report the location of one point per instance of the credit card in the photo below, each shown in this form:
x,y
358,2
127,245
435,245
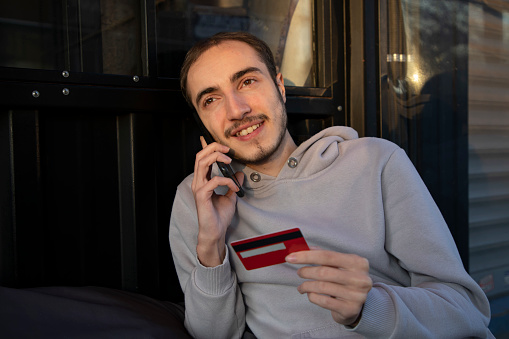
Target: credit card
x,y
269,249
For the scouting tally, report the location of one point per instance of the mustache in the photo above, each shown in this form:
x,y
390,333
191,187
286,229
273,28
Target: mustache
x,y
246,120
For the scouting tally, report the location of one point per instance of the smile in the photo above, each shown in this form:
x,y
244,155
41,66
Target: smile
x,y
248,130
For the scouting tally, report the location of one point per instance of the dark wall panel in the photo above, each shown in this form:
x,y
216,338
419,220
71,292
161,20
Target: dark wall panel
x,y
80,185
86,197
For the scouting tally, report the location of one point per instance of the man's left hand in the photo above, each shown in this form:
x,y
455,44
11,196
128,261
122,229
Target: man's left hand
x,y
337,282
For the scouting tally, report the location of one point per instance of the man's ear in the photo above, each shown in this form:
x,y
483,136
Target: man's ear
x,y
280,81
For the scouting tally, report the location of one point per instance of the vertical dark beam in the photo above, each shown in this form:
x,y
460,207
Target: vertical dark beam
x,y
127,202
385,116
8,257
28,202
338,64
22,228
461,228
149,37
364,68
356,75
138,204
323,43
372,74
73,43
146,211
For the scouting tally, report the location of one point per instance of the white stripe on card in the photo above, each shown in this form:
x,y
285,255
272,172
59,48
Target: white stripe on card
x,y
263,250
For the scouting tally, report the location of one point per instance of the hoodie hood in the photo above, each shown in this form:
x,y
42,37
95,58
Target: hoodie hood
x,y
310,158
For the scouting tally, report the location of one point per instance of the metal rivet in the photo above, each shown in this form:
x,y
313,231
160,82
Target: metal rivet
x,y
65,74
136,78
65,91
292,162
36,94
256,177
340,108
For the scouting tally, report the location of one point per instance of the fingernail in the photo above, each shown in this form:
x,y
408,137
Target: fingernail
x,y
291,257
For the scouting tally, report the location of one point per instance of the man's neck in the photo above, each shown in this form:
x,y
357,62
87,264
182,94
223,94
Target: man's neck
x,y
276,162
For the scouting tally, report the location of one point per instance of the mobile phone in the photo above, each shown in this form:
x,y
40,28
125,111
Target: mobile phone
x,y
226,169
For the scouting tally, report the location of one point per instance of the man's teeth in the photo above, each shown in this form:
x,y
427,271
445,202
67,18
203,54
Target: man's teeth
x,y
248,130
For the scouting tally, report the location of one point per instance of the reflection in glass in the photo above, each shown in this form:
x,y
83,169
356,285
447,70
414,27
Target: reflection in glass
x,y
28,36
286,26
426,64
75,35
106,36
120,32
430,65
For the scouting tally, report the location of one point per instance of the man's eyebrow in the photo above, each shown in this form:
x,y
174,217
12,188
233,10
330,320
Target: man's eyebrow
x,y
204,92
241,73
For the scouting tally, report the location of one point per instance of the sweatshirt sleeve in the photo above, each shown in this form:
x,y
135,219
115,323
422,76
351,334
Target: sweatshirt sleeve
x,y
442,301
214,306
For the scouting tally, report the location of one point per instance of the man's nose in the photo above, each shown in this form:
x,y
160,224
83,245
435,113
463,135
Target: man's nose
x,y
237,107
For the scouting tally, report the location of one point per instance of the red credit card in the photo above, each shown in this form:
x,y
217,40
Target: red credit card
x,y
269,249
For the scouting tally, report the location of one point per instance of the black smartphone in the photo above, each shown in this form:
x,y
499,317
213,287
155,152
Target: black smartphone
x,y
226,169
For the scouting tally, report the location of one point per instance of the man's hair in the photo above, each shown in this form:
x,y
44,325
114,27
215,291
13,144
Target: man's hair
x,y
201,47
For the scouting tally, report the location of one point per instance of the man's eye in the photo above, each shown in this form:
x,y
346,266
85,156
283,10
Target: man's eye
x,y
248,82
208,101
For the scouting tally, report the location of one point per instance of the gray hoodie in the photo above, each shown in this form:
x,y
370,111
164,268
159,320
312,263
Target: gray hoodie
x,y
350,195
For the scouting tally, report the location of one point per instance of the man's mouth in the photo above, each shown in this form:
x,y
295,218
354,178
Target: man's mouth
x,y
248,130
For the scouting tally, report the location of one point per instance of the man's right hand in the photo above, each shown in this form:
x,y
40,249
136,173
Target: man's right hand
x,y
215,212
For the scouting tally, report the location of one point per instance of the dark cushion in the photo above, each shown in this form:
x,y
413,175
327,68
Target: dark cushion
x,y
87,312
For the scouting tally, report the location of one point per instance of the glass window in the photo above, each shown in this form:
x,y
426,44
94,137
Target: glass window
x,y
97,36
488,81
74,35
436,51
286,26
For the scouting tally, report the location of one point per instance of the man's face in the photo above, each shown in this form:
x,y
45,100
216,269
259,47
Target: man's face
x,y
238,101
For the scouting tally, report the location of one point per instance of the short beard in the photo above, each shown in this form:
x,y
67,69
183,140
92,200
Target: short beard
x,y
264,155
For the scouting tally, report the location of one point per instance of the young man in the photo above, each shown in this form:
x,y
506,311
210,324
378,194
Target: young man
x,y
385,264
